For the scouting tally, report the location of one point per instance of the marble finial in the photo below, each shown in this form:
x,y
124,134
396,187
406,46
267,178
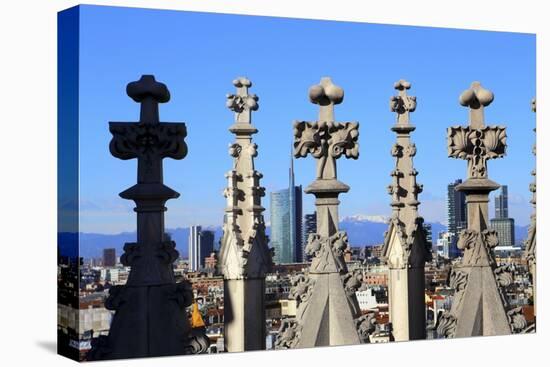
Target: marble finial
x,y
402,104
147,86
402,84
242,103
149,93
475,96
326,94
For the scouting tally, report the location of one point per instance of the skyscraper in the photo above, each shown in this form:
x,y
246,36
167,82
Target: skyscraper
x,y
457,216
109,257
502,223
194,248
201,245
286,222
501,203
206,246
443,244
310,226
429,242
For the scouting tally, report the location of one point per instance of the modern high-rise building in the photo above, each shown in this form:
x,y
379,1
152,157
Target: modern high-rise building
x,y
286,222
201,245
501,203
443,244
194,248
502,223
505,230
457,216
280,227
429,241
310,226
109,257
207,246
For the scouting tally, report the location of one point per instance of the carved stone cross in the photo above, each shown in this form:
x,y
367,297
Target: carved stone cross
x,y
245,257
328,281
480,305
402,104
325,139
148,140
150,318
476,143
242,103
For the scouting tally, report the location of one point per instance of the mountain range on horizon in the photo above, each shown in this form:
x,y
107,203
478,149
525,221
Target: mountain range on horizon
x,y
362,230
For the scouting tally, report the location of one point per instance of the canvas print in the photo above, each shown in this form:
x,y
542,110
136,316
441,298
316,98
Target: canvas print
x,y
232,183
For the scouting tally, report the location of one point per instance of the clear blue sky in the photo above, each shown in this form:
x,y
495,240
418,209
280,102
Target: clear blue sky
x,y
198,55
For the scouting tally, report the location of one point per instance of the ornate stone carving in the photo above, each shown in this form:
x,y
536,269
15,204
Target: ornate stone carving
x,y
327,285
150,317
479,306
245,257
402,104
352,282
447,325
405,250
302,287
325,139
477,146
517,320
327,253
366,326
148,141
504,275
239,103
327,142
198,343
288,334
476,143
458,280
244,228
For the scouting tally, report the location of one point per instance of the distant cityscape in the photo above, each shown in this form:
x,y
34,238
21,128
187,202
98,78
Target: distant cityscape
x,y
289,232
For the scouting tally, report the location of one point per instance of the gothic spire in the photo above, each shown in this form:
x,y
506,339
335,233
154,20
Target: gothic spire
x,y
244,254
480,306
328,285
405,249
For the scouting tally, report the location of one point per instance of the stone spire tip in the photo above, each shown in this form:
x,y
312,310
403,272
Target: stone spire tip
x,y
242,82
402,84
147,86
326,93
476,96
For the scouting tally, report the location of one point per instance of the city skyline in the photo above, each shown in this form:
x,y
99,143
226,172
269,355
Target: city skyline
x,y
372,273
284,99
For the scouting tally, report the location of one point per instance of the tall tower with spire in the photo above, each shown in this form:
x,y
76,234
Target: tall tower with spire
x,y
480,305
327,310
405,250
244,254
286,221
